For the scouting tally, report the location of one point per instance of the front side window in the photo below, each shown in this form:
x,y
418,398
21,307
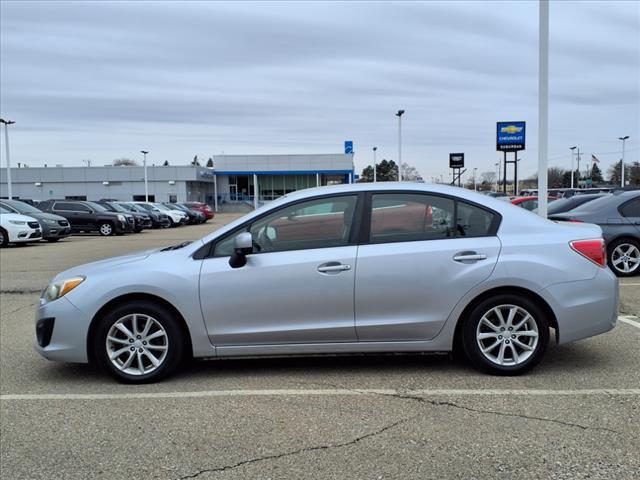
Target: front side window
x,y
321,223
66,206
403,217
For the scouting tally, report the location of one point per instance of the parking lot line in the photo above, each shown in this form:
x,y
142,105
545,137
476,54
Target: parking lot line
x,y
630,320
629,284
319,392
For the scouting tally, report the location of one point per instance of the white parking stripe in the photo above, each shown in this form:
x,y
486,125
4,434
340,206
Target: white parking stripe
x,y
325,392
630,284
630,320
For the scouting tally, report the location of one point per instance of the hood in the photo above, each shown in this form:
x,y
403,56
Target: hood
x,y
47,216
5,217
106,264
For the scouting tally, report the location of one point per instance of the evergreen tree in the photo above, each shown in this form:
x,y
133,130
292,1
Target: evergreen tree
x,y
596,174
210,162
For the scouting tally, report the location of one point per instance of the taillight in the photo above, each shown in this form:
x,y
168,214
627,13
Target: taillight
x,y
574,220
594,250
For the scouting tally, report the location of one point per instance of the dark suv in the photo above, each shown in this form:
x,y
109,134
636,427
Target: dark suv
x,y
140,220
54,227
88,216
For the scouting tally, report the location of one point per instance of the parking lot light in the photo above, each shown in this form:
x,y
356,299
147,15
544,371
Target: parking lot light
x,y
399,115
624,139
572,169
146,186
6,146
374,164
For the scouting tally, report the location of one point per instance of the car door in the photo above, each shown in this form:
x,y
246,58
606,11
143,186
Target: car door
x,y
631,212
86,216
297,285
422,254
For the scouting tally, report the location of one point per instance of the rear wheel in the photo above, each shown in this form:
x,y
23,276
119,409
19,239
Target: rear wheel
x,y
138,342
105,229
624,257
4,238
505,335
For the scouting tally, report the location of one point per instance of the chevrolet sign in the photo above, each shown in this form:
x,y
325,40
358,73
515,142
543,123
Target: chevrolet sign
x,y
510,136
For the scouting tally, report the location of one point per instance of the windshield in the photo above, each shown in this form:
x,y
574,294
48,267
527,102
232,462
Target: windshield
x,y
118,208
24,207
147,207
127,207
2,210
159,206
97,207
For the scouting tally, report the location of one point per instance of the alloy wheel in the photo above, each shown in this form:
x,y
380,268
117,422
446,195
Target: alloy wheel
x,y
626,258
137,344
507,335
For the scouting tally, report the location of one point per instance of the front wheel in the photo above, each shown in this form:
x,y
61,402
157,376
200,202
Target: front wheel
x,y
624,257
138,342
105,229
505,335
4,238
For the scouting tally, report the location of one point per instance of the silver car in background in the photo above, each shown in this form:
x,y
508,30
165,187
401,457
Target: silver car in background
x,y
384,267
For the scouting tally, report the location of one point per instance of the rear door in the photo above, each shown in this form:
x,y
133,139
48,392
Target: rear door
x,y
422,254
631,212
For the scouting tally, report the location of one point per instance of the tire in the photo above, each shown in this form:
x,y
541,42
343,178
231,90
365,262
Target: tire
x,y
536,340
4,238
105,229
172,224
52,240
620,249
170,337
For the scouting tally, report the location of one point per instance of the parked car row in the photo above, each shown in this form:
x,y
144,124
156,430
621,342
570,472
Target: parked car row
x,y
52,220
617,214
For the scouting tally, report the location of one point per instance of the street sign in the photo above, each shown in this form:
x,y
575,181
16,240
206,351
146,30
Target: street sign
x,y
510,136
456,160
348,146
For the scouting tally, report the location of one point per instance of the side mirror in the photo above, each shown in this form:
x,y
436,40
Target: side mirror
x,y
242,246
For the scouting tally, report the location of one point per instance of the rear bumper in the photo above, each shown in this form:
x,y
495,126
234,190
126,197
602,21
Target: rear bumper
x,y
585,308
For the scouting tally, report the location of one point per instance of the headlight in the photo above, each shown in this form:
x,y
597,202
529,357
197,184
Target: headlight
x,y
121,218
60,289
18,222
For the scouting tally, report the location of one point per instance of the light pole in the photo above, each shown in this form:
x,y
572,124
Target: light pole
x,y
6,146
624,139
497,174
146,186
374,164
475,185
578,169
543,106
399,115
572,169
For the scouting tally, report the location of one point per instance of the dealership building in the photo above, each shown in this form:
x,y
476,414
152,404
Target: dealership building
x,y
250,179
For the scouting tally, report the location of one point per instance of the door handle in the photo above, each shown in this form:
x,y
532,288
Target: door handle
x,y
333,267
469,257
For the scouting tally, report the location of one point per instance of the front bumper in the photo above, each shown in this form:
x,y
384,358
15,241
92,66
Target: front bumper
x,y
68,337
585,308
24,235
55,231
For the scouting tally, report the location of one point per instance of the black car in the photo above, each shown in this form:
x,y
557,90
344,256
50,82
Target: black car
x,y
140,220
54,227
158,218
88,216
567,204
618,215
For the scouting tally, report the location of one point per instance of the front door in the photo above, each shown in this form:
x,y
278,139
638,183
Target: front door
x,y
297,285
418,263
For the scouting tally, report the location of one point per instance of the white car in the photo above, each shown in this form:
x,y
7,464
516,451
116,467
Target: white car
x,y
15,228
177,217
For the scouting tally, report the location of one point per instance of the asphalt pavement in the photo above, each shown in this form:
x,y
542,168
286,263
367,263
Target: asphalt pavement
x,y
367,417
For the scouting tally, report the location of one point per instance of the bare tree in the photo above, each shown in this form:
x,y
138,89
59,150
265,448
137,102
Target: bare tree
x,y
409,173
124,162
488,178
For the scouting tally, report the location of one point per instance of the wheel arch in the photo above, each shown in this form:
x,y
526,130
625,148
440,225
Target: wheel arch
x,y
130,297
541,302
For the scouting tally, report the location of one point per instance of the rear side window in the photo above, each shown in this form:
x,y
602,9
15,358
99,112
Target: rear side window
x,y
400,217
66,206
473,221
631,209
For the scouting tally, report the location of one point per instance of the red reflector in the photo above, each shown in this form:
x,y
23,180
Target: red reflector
x,y
594,250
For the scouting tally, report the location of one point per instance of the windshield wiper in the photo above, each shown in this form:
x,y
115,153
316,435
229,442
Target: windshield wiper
x,y
176,247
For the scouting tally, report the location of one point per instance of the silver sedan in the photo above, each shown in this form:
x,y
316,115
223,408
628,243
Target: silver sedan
x,y
348,269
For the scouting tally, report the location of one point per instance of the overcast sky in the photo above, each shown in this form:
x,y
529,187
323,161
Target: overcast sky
x,y
101,80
